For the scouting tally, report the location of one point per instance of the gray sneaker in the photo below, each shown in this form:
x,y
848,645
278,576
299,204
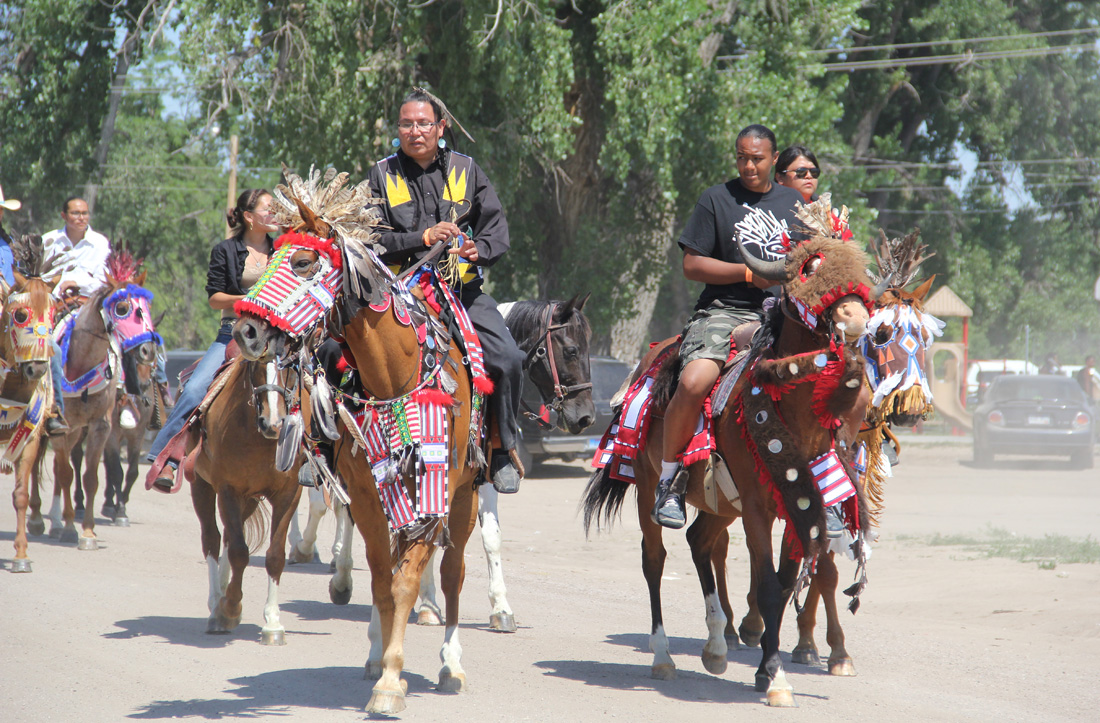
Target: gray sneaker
x,y
834,525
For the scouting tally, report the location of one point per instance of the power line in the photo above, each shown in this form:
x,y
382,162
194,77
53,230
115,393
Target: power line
x,y
927,43
978,211
966,57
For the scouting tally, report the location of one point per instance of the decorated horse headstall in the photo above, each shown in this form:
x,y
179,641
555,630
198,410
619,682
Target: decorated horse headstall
x,y
894,346
298,288
543,352
28,331
129,318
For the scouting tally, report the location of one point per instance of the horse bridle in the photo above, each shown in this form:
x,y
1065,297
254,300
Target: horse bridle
x,y
544,351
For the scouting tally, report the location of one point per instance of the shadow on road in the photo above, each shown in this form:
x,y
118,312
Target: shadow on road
x,y
279,692
689,686
556,470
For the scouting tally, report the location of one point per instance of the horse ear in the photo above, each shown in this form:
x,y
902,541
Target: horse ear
x,y
20,279
574,305
160,318
4,288
140,278
924,288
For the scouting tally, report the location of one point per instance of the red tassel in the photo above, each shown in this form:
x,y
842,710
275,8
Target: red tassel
x,y
321,246
484,385
435,397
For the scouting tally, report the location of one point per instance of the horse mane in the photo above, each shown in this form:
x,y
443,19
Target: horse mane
x,y
525,322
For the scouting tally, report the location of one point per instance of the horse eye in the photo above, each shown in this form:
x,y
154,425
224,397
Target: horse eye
x,y
122,308
811,266
571,352
20,316
302,264
883,334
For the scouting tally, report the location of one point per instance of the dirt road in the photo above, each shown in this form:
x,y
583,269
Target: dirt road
x,y
945,633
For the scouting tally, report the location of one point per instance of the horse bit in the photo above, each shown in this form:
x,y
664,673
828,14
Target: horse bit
x,y
544,352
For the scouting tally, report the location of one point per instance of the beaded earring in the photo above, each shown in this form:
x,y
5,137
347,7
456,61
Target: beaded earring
x,y
395,143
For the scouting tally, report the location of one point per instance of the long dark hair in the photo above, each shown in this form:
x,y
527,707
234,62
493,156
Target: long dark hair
x,y
246,202
790,154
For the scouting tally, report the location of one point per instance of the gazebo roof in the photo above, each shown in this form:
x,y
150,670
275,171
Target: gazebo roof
x,y
946,302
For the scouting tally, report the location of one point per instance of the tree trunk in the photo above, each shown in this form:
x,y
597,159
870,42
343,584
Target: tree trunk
x,y
635,300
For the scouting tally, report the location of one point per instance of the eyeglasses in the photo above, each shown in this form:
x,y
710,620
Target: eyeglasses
x,y
79,213
422,126
801,172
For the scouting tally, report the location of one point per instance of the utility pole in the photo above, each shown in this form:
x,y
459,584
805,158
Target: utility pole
x,y
231,195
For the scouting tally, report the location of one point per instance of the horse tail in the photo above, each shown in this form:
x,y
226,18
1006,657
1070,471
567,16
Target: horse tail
x,y
255,527
603,496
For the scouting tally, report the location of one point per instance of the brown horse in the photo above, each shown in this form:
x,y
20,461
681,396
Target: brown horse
x,y
394,340
898,335
775,424
96,348
229,464
24,383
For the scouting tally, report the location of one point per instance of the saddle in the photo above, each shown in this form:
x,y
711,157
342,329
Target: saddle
x,y
176,449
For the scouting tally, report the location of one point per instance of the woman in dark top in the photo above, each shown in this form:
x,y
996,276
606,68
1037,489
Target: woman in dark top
x,y
797,168
235,265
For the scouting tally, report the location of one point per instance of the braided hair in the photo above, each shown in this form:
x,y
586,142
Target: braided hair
x,y
246,202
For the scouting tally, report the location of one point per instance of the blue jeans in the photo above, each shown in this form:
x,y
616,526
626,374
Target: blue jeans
x,y
56,372
194,391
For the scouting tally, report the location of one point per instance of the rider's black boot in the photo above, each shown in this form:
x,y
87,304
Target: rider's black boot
x,y
56,425
503,473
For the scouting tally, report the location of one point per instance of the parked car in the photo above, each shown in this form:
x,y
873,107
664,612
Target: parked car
x,y
176,361
981,372
1034,414
538,444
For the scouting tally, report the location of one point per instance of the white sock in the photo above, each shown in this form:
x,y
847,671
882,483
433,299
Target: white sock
x,y
668,470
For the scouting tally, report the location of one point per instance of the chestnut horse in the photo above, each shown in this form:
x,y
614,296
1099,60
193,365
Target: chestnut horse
x,y
402,350
95,348
25,385
828,277
229,463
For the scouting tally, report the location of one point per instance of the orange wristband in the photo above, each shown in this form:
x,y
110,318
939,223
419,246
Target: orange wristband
x,y
748,275
424,236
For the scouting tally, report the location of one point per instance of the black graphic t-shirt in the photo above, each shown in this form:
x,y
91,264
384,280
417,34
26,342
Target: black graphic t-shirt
x,y
761,218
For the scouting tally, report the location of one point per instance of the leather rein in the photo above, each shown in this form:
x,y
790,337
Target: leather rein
x,y
544,352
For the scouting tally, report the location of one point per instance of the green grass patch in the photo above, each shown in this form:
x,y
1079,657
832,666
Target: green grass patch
x,y
1047,551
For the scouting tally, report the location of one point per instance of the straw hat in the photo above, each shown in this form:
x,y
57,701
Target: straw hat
x,y
10,204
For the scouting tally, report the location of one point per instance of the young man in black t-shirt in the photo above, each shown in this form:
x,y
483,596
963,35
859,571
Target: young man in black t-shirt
x,y
762,212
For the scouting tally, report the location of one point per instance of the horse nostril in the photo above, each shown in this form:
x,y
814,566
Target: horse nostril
x,y
248,332
585,422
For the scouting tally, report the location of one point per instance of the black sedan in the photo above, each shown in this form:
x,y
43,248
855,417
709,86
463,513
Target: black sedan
x,y
539,444
1034,414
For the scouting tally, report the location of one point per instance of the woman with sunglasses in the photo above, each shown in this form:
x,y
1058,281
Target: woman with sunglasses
x,y
797,168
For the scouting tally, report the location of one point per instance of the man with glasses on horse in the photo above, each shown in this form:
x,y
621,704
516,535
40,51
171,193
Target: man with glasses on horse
x,y
762,212
433,195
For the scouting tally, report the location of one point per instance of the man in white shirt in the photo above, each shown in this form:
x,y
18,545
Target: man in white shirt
x,y
78,252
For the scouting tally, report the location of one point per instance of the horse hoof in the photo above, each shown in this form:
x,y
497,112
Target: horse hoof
x,y
372,670
23,565
272,637
339,597
332,565
36,526
225,624
108,511
69,535
56,531
88,544
427,616
750,638
781,698
449,683
732,641
504,622
386,702
122,521
297,557
664,671
715,664
214,627
805,656
843,667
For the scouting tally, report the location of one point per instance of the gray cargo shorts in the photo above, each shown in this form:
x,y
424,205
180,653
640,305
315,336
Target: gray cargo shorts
x,y
708,333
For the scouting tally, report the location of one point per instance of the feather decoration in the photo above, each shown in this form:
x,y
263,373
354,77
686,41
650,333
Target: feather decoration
x,y
446,112
899,259
820,219
29,254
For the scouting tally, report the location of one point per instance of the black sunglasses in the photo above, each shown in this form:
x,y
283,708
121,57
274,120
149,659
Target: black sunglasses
x,y
801,172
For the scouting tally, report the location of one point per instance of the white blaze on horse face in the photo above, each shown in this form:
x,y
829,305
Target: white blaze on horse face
x,y
271,375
